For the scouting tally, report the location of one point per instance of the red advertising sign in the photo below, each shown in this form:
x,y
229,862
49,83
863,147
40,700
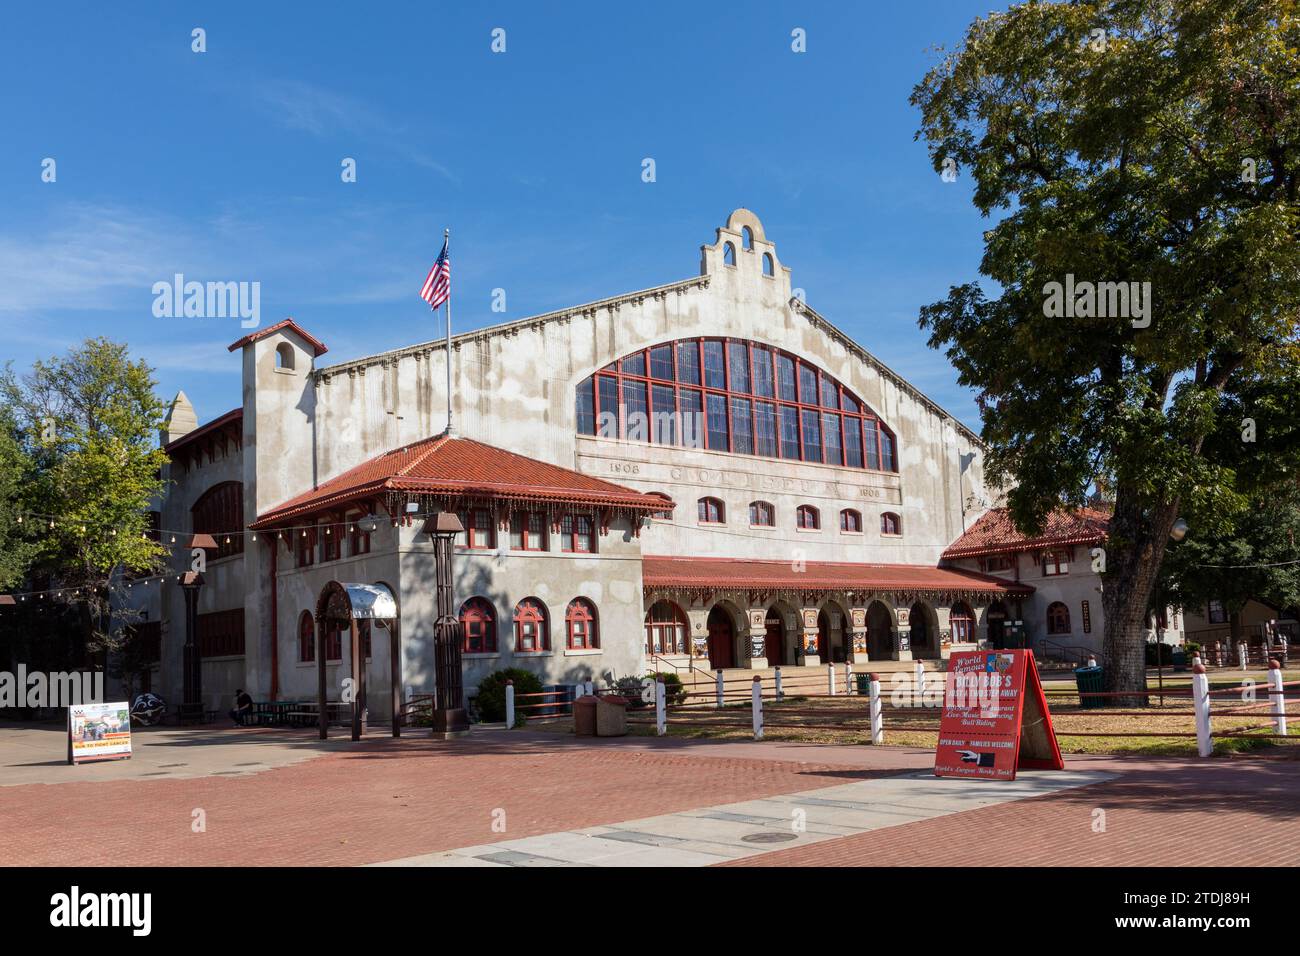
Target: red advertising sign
x,y
995,718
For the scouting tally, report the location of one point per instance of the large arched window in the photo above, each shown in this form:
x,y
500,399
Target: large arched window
x,y
306,638
479,626
220,513
582,626
1058,618
733,396
666,629
531,631
712,511
962,623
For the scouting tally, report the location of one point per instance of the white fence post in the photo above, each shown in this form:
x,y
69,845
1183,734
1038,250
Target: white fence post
x,y
877,712
757,694
780,691
719,688
510,704
1201,703
919,679
1276,697
848,678
590,687
661,708
830,677
1241,654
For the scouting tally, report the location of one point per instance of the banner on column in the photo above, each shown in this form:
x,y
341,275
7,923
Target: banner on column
x,y
995,717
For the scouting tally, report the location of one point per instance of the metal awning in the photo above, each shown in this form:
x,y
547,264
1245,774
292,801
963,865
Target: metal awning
x,y
371,602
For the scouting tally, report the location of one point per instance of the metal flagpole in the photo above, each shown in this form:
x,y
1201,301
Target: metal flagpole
x,y
447,307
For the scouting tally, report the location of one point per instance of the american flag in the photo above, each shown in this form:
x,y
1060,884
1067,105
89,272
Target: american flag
x,y
437,284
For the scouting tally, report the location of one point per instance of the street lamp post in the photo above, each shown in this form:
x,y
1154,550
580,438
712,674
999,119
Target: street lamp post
x,y
449,719
192,663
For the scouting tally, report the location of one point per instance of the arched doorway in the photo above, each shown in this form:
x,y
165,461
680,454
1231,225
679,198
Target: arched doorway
x,y
925,636
774,642
880,632
996,617
722,638
833,634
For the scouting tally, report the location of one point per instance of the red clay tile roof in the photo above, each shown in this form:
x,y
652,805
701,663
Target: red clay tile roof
x,y
234,415
724,573
995,533
462,466
317,345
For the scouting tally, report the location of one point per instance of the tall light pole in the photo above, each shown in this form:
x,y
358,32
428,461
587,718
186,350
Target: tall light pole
x,y
449,718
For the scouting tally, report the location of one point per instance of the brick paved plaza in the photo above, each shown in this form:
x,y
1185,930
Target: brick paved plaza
x,y
284,798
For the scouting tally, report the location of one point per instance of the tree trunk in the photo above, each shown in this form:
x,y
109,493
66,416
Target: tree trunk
x,y
1135,546
1234,627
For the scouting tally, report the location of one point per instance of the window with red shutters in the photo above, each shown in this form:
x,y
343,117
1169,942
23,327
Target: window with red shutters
x,y
220,513
478,623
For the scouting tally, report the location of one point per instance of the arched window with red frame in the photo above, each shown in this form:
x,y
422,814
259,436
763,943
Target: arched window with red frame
x,y
219,511
532,631
712,511
666,629
851,521
478,624
808,518
891,524
762,514
734,396
1058,618
306,638
582,625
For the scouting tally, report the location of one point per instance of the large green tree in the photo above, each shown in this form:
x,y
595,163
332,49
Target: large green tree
x,y
86,424
1147,141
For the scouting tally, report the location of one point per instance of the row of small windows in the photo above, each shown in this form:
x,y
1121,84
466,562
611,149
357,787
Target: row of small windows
x,y
478,621
762,514
734,396
529,531
1054,563
729,258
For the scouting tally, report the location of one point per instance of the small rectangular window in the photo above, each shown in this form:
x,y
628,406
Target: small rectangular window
x,y
688,362
636,419
663,415
871,442
692,418
586,408
764,384
661,363
807,385
789,432
718,436
831,430
765,429
607,420
852,442
830,393
742,428
738,360
715,374
785,381
812,435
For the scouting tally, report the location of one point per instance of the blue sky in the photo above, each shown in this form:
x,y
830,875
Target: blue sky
x,y
225,166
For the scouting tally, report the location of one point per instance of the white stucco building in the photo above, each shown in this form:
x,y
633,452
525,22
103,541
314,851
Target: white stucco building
x,y
705,473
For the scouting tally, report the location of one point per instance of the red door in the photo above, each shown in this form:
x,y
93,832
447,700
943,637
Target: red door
x,y
722,651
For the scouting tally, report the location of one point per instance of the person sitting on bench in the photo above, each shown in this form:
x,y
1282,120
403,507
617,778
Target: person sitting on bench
x,y
243,708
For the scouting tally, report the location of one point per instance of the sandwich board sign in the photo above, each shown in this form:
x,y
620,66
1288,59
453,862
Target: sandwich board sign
x,y
99,732
995,718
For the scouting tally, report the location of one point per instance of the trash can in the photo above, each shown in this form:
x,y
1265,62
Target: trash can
x,y
611,716
1088,680
584,716
863,681
1179,658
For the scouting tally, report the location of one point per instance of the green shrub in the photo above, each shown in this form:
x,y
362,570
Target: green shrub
x,y
491,697
674,692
